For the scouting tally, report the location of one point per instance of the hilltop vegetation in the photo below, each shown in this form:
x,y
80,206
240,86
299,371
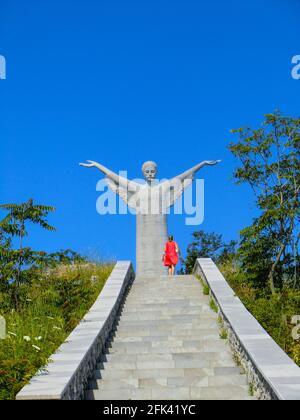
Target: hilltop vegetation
x,y
43,296
263,267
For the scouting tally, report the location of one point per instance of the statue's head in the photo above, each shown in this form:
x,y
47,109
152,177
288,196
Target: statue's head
x,y
149,169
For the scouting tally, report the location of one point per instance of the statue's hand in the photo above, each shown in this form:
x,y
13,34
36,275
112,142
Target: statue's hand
x,y
91,164
212,162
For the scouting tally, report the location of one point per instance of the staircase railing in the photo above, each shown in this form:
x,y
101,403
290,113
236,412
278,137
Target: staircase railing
x,y
271,372
67,374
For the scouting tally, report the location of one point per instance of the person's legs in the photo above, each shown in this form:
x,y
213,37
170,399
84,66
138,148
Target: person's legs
x,y
170,270
173,269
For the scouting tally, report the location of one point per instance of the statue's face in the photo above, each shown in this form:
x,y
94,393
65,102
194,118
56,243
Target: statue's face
x,y
149,171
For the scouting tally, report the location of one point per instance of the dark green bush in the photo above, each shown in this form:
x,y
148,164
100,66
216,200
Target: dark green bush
x,y
49,309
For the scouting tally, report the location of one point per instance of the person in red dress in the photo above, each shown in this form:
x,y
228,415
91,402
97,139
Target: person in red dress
x,y
170,256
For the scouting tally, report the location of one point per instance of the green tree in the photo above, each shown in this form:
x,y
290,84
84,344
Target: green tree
x,y
6,265
269,163
14,227
66,256
207,245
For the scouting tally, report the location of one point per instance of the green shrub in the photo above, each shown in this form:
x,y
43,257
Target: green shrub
x,y
49,310
206,289
213,306
273,311
223,334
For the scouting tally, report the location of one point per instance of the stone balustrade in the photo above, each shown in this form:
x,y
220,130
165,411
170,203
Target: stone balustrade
x,y
66,375
273,375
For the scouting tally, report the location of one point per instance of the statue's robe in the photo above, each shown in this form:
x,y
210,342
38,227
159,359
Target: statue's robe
x,y
152,204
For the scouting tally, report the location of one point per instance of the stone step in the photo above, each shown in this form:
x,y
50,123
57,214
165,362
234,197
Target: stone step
x,y
184,302
164,280
138,301
114,384
180,360
136,320
195,292
160,279
166,346
134,357
220,393
113,373
154,286
163,383
121,394
163,360
162,323
174,293
159,316
144,309
171,289
166,304
183,393
168,341
157,357
166,285
200,382
189,334
184,288
164,330
184,341
160,349
161,334
184,330
176,382
163,374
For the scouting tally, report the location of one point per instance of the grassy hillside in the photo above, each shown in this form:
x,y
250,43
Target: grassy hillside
x,y
273,311
50,309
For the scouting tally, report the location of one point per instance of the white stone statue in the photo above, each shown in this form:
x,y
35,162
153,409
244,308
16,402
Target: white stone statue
x,y
151,202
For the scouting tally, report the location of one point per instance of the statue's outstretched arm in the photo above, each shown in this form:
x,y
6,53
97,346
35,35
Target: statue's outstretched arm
x,y
191,172
174,187
118,180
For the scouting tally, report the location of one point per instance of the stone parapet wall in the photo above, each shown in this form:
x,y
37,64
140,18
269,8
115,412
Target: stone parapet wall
x,y
67,373
271,373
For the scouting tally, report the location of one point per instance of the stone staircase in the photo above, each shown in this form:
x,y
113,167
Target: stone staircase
x,y
167,346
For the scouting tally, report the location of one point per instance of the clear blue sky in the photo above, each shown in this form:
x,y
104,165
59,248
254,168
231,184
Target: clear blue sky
x,y
122,82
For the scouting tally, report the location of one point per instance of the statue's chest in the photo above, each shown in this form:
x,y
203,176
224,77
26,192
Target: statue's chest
x,y
149,200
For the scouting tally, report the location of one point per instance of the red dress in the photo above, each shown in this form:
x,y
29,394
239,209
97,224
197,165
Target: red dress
x,y
171,256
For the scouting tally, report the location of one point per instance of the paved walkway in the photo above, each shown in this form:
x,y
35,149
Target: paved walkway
x,y
167,345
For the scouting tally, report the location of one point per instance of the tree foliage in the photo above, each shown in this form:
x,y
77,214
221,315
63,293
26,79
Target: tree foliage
x,y
15,262
206,245
270,163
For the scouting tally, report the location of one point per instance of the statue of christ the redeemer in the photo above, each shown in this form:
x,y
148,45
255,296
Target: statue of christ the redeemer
x,y
151,201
